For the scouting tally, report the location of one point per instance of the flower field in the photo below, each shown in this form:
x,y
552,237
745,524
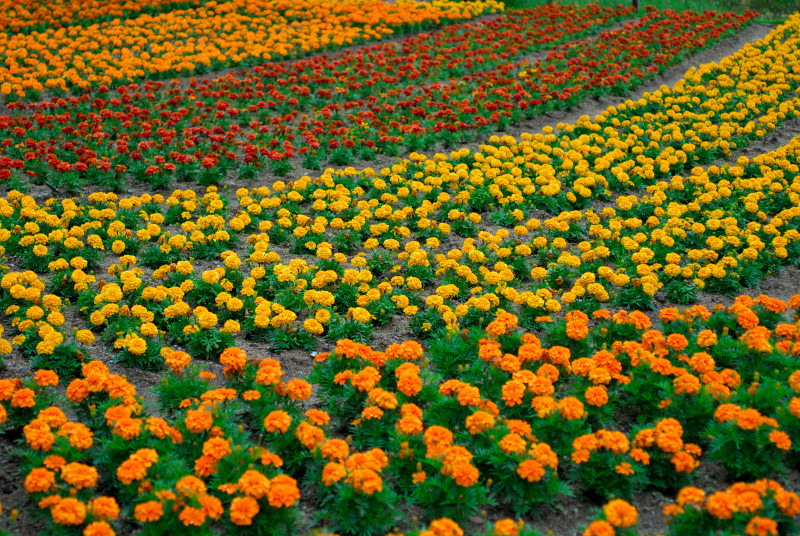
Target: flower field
x,y
574,315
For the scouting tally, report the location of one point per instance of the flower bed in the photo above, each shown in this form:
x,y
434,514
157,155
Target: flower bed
x,y
479,418
30,15
210,37
344,252
248,123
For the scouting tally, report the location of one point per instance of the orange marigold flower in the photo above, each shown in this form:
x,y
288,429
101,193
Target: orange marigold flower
x,y
505,527
254,484
409,424
212,507
98,528
612,440
788,502
243,510
318,417
677,342
624,468
599,528
23,398
669,314
250,395
620,513
726,412
479,422
512,443
309,435
780,439
192,517
54,462
720,505
366,379
519,427
39,480
77,391
79,476
749,419
761,526
216,448
530,470
333,472
298,389
571,408
437,440
640,456
68,511
559,355
577,331
747,319
469,395
269,372
683,462
409,383
512,393
199,420
639,320
445,527
687,384
335,449
597,395
544,405
748,501
706,338
365,480
283,492
44,377
178,361
691,495
464,474
234,360
104,508
38,435
190,486
127,428
277,421
53,416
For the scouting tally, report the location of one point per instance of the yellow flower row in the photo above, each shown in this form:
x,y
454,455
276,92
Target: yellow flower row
x,y
202,39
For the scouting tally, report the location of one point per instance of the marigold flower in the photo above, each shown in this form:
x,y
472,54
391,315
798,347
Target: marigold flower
x,y
761,526
620,513
283,492
243,510
530,470
98,528
599,528
39,480
68,511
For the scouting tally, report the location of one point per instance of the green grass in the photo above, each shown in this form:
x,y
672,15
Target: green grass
x,y
771,11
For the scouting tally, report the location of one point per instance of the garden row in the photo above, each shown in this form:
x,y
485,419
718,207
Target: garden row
x,y
32,15
356,105
482,418
206,38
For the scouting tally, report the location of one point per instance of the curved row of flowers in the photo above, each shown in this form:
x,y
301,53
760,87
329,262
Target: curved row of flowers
x,y
206,38
480,418
32,15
